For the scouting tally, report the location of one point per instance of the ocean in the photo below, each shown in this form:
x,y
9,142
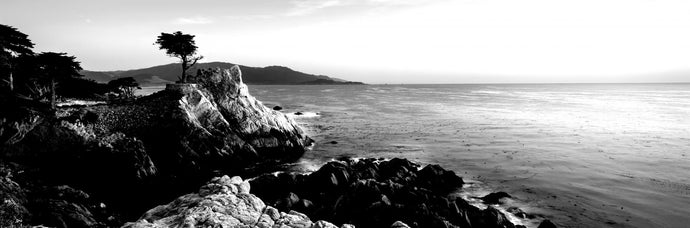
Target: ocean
x,y
581,155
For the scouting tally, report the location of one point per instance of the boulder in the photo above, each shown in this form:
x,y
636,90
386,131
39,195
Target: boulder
x,y
546,224
520,213
435,178
399,224
495,197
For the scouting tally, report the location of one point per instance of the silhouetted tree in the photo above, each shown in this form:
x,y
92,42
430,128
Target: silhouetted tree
x,y
13,43
181,46
82,88
28,79
124,86
55,67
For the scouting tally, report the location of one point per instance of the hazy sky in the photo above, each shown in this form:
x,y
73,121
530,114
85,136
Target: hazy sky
x,y
381,41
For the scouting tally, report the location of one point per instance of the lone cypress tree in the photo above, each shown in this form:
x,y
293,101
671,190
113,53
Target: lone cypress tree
x,y
181,46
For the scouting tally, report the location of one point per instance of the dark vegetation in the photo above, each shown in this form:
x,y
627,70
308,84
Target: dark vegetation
x,y
124,86
48,76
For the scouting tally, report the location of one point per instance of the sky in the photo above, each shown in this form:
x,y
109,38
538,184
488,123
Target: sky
x,y
380,41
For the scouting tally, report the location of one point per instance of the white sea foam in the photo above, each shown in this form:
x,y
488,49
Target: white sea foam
x,y
79,103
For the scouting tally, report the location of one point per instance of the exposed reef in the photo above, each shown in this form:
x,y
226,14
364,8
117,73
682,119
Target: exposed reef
x,y
377,193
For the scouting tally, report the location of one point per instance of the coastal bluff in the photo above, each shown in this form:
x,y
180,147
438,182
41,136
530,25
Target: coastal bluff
x,y
120,159
141,163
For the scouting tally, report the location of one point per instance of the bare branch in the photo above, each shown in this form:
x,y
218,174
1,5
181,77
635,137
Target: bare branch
x,y
194,60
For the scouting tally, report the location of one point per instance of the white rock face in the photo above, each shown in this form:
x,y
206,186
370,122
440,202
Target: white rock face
x,y
222,102
219,203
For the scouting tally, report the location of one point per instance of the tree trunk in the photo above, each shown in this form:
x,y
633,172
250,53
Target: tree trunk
x,y
184,71
11,81
52,93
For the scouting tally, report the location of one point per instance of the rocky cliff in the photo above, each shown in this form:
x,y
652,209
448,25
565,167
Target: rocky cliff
x,y
129,157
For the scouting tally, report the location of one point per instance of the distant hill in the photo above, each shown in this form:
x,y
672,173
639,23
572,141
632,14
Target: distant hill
x,y
272,75
323,81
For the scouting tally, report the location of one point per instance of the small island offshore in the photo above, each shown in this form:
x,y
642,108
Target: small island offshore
x,y
203,152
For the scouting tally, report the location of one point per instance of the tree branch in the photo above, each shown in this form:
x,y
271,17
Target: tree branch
x,y
194,60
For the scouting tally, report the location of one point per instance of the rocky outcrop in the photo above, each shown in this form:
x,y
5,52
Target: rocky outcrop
x,y
272,135
224,202
377,193
495,197
135,155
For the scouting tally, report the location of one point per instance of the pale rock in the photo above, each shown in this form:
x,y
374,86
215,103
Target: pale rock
x,y
323,224
236,180
399,224
244,187
217,206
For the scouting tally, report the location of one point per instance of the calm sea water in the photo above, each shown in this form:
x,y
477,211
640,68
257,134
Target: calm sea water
x,y
582,155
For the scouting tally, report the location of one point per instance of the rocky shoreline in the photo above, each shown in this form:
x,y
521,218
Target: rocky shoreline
x,y
377,193
105,165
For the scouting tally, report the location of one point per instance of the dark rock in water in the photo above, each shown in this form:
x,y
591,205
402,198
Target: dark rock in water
x,y
299,113
433,177
135,155
546,224
277,108
378,193
220,204
520,213
495,197
494,218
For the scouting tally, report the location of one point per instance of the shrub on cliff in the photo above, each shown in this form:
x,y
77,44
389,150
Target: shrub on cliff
x,y
124,87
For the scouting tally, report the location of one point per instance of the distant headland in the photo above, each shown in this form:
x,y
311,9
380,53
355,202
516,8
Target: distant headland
x,y
270,75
